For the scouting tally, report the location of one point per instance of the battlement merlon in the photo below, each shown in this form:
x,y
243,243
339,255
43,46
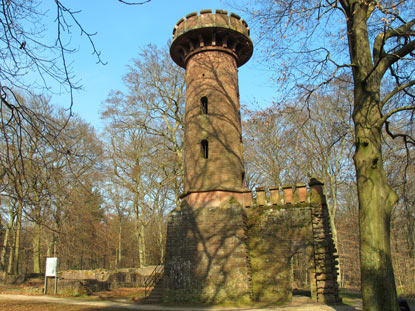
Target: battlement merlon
x,y
208,31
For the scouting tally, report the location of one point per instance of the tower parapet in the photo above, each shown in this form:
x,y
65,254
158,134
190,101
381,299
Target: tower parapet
x,y
208,31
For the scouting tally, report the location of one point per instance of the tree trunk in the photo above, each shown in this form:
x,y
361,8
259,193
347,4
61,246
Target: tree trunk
x,y
376,200
49,244
119,255
4,249
142,246
36,248
37,230
10,265
6,242
16,257
161,244
140,252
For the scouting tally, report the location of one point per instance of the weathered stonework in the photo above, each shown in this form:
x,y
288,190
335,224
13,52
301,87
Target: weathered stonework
x,y
268,233
206,255
275,235
127,277
283,225
224,246
325,254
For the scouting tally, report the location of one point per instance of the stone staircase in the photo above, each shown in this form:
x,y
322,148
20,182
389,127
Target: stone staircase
x,y
154,286
156,294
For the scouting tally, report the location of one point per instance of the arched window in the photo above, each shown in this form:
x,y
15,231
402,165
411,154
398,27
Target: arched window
x,y
205,148
204,105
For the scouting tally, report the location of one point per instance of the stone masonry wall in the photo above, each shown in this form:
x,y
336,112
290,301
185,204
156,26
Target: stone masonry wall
x,y
206,256
325,254
275,235
212,75
242,250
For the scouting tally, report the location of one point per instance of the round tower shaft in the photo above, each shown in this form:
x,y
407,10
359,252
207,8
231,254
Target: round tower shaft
x,y
211,47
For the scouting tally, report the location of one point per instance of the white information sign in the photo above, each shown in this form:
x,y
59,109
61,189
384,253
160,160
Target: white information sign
x,y
51,267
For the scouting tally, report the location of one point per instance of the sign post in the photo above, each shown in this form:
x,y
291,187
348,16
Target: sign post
x,y
51,271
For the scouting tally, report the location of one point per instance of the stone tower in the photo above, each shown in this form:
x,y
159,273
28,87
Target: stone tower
x,y
206,252
211,47
224,246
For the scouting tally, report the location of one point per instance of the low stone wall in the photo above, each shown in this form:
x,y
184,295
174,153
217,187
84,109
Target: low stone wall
x,y
76,287
8,279
84,282
129,277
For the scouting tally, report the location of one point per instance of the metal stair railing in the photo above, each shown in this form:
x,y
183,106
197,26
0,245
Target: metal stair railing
x,y
153,279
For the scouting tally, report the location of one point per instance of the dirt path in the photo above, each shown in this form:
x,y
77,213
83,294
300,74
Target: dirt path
x,y
299,304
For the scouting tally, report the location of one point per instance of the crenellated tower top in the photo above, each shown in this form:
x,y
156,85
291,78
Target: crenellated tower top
x,y
208,31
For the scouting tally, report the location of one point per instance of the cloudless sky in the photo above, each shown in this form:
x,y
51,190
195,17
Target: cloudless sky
x,y
121,31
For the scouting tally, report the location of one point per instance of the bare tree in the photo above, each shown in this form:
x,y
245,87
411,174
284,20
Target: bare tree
x,y
32,63
153,104
267,149
117,200
145,128
40,173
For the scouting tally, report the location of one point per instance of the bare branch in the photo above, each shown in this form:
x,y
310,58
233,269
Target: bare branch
x,y
378,47
406,138
395,91
392,112
395,56
134,3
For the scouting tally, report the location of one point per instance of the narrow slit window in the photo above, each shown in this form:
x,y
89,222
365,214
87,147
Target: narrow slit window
x,y
204,105
205,149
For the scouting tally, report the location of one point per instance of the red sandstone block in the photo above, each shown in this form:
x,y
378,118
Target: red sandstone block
x,y
302,192
260,196
206,18
288,194
275,195
247,199
192,21
222,19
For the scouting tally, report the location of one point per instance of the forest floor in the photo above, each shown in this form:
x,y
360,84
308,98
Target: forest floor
x,y
47,303
15,299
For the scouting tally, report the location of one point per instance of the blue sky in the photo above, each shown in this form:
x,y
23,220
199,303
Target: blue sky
x,y
121,31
